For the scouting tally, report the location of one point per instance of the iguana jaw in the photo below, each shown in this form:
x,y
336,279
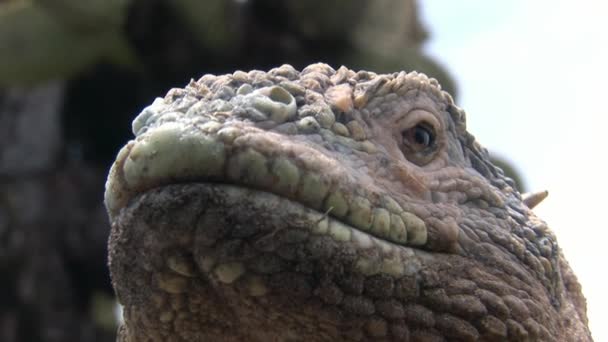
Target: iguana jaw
x,y
176,153
265,221
243,255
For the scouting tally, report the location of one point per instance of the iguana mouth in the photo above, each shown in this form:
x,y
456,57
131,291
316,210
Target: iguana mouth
x,y
234,255
217,213
176,154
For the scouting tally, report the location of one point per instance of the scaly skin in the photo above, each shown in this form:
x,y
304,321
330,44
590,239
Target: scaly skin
x,y
326,205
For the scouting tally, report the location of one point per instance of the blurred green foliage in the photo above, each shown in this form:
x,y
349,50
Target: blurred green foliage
x,y
103,311
209,23
47,39
57,39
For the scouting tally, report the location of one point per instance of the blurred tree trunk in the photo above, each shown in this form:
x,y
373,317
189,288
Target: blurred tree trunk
x,y
52,226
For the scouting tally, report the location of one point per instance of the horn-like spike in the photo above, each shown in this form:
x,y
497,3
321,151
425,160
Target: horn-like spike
x,y
532,199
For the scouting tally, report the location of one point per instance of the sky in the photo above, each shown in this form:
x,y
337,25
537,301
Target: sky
x,y
532,78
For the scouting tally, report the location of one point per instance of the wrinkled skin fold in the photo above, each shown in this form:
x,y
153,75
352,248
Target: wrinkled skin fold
x,y
324,205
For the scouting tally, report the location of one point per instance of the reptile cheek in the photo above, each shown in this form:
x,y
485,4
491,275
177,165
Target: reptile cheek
x,y
443,234
412,182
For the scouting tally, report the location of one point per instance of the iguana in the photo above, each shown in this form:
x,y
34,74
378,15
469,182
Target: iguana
x,y
326,205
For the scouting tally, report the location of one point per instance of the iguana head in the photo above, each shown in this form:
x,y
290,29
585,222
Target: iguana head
x,y
325,205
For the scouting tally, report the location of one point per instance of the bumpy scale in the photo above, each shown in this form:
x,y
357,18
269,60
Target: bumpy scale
x,y
326,205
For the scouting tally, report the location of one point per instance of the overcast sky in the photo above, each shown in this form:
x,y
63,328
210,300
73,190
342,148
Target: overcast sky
x,y
532,78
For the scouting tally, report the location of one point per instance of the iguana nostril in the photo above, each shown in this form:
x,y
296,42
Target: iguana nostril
x,y
279,94
275,102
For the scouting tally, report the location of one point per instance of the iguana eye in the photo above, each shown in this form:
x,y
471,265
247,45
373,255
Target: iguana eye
x,y
419,138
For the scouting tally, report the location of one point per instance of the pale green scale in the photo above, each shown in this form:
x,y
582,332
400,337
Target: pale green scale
x,y
416,229
360,214
206,154
228,134
381,222
325,117
390,204
229,272
255,286
367,266
293,88
275,102
171,283
336,204
339,231
166,317
142,119
287,176
340,129
181,265
385,246
355,130
393,267
249,166
368,147
164,152
244,89
210,127
347,141
313,189
361,239
112,196
398,232
308,125
321,227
